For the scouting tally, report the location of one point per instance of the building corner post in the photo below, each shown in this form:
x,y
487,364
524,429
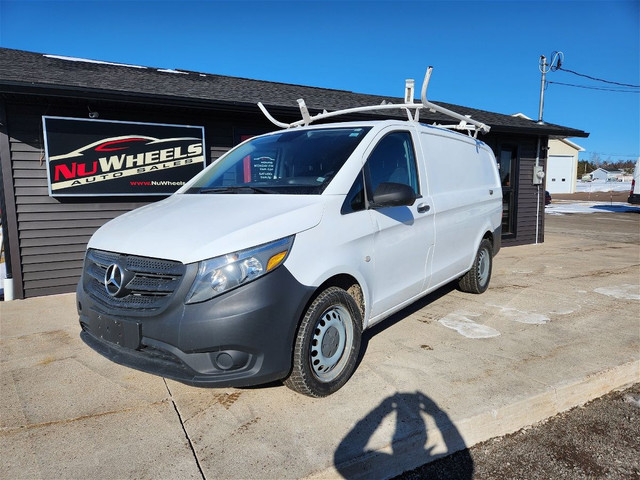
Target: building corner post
x,y
13,284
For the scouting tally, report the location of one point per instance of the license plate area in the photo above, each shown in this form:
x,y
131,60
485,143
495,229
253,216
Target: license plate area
x,y
125,334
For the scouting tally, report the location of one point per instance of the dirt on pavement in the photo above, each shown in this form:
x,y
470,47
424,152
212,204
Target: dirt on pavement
x,y
614,196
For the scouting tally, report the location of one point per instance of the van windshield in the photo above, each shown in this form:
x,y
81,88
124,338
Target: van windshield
x,y
292,162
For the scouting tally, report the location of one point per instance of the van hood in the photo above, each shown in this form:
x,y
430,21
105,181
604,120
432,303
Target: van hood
x,y
190,228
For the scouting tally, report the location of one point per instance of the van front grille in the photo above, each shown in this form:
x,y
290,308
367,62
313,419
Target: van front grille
x,y
147,283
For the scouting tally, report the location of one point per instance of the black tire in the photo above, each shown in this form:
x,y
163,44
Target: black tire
x,y
477,279
327,344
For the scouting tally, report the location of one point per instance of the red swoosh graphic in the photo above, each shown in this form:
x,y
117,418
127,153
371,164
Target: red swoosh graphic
x,y
106,147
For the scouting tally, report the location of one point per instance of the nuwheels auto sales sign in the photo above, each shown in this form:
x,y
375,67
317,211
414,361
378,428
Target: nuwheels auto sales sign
x,y
105,158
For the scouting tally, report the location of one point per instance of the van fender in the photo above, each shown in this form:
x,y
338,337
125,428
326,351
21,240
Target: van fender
x,y
486,231
335,277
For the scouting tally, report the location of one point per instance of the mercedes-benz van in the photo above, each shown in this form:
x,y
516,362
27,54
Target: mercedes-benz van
x,y
270,263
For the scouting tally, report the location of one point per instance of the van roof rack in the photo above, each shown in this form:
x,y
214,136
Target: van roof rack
x,y
466,123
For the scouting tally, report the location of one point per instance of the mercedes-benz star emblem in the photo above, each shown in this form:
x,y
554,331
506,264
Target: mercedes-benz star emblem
x,y
113,279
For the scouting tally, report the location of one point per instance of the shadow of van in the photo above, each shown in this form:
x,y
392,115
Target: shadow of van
x,y
371,332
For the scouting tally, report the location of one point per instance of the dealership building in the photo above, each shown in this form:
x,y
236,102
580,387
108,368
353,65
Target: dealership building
x,y
84,141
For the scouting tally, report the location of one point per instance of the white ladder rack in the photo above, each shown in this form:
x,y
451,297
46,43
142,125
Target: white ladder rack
x,y
466,122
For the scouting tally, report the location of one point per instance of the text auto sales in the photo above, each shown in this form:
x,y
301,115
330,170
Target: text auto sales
x,y
116,166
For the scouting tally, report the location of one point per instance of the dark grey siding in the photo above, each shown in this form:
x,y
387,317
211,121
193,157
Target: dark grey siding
x,y
528,196
53,233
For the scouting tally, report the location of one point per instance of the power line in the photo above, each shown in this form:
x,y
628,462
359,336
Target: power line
x,y
596,79
594,88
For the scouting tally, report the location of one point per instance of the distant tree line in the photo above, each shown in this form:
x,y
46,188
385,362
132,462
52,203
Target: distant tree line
x,y
588,166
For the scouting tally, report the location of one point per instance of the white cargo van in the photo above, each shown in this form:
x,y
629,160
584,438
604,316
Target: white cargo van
x,y
270,263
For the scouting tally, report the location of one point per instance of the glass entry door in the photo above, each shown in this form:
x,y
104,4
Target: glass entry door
x,y
508,167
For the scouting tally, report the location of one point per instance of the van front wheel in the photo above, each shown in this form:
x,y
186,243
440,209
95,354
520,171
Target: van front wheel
x,y
477,279
327,344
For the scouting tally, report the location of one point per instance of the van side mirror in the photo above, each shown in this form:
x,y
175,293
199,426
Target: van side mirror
x,y
389,194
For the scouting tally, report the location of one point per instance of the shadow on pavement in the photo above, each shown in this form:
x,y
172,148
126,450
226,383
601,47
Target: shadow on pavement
x,y
409,440
369,333
617,208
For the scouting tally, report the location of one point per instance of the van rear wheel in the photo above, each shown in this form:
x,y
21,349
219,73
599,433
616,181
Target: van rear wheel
x,y
477,279
327,344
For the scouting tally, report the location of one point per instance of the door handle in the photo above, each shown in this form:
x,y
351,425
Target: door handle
x,y
423,208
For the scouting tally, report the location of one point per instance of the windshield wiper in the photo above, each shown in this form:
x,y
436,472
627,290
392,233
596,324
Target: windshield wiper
x,y
236,189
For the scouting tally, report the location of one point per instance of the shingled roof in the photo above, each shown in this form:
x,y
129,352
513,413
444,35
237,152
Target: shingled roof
x,y
36,73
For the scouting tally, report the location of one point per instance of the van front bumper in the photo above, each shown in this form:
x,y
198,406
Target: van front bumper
x,y
243,337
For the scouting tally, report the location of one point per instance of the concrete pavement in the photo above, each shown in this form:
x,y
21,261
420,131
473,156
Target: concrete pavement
x,y
558,326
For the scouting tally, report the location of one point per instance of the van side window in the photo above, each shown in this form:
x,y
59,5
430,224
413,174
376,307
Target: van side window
x,y
393,160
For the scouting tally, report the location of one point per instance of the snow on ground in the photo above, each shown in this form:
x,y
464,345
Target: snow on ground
x,y
562,207
625,292
602,186
466,327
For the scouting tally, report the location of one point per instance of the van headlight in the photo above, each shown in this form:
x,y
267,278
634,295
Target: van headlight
x,y
221,274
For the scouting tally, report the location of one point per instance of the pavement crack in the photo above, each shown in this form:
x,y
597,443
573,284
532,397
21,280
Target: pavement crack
x,y
184,429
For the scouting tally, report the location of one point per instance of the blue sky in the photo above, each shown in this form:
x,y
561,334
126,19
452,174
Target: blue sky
x,y
485,53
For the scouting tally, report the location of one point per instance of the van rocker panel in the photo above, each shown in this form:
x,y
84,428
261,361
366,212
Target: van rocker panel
x,y
243,337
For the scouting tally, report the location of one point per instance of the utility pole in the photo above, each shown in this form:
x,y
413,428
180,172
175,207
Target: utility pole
x,y
556,58
538,170
543,70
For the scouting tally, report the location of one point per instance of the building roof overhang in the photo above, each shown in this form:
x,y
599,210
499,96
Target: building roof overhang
x,y
28,73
